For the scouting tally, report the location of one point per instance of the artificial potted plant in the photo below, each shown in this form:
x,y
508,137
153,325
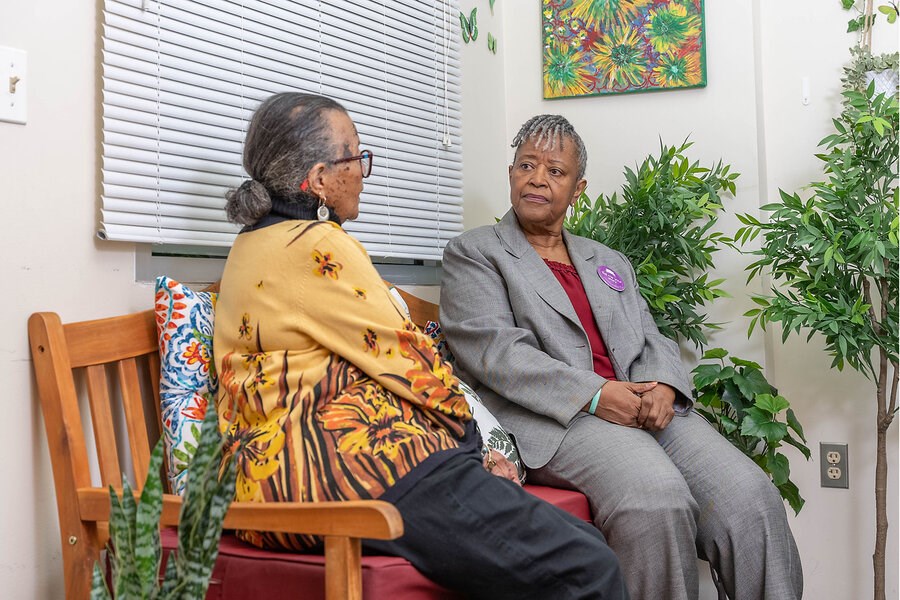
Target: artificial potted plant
x,y
833,255
135,552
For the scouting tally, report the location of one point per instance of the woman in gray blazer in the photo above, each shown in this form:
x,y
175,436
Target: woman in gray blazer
x,y
552,332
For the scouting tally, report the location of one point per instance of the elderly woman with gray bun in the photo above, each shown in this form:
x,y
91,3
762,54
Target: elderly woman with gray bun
x,y
552,332
329,393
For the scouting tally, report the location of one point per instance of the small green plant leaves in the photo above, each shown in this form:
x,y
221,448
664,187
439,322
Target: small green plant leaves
x,y
832,254
745,408
134,527
663,220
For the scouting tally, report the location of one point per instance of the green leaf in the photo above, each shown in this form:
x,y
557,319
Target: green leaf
x,y
758,424
729,425
99,591
705,375
804,450
794,424
146,541
714,353
772,404
740,362
779,468
790,493
743,385
756,383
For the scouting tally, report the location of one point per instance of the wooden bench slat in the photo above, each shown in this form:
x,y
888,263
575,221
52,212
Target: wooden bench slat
x,y
104,430
130,389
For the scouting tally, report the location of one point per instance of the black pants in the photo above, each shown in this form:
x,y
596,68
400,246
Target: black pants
x,y
487,538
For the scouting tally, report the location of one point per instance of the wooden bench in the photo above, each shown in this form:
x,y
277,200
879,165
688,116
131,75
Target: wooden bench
x,y
115,361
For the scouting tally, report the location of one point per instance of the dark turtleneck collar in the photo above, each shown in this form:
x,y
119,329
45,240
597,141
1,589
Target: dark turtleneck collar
x,y
287,209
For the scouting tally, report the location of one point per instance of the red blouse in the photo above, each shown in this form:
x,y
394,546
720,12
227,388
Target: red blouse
x,y
571,283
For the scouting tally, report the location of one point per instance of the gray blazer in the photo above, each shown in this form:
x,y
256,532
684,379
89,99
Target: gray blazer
x,y
519,343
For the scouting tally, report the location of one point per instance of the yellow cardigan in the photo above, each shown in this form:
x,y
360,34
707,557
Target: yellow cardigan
x,y
327,391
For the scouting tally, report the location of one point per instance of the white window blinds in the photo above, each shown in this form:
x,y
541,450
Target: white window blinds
x,y
181,79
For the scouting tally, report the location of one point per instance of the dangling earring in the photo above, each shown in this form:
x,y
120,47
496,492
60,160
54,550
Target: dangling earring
x,y
322,212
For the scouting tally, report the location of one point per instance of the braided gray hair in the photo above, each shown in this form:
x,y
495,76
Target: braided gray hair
x,y
546,131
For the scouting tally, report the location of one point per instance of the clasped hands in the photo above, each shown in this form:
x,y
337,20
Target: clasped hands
x,y
649,405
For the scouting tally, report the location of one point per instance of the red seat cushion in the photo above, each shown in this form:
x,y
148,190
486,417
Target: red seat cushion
x,y
574,503
243,571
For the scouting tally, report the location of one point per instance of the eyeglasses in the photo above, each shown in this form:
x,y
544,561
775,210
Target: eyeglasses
x,y
365,161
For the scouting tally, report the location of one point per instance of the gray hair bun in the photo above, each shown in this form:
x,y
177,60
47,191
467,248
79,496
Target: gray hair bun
x,y
248,203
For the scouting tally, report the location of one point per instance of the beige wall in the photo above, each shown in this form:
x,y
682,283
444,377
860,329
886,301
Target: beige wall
x,y
751,116
53,262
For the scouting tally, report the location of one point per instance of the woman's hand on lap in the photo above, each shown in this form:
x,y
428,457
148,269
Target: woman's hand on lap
x,y
499,465
622,403
662,407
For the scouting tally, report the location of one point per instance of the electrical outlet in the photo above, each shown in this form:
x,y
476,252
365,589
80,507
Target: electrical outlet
x,y
835,467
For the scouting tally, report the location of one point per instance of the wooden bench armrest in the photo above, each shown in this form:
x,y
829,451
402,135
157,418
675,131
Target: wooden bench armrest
x,y
372,519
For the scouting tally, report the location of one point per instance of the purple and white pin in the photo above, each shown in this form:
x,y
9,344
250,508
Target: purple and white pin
x,y
610,278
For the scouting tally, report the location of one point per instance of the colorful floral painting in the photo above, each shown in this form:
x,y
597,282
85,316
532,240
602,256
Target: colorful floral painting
x,y
594,47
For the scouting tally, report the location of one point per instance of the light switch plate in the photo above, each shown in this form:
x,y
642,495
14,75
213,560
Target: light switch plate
x,y
13,85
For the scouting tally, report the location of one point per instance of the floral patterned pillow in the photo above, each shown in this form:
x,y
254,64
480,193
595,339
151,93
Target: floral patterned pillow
x,y
492,432
434,331
184,324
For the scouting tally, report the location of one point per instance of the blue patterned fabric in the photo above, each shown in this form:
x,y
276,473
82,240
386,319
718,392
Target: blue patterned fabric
x,y
188,383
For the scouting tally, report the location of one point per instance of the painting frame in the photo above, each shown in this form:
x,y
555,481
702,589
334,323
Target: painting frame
x,y
610,47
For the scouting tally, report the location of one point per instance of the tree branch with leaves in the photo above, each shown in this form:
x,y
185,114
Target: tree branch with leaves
x,y
833,260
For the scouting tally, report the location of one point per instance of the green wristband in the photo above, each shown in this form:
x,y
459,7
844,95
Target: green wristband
x,y
594,402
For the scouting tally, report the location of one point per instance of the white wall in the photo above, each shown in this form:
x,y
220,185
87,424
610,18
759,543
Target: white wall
x,y
750,115
51,261
484,119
